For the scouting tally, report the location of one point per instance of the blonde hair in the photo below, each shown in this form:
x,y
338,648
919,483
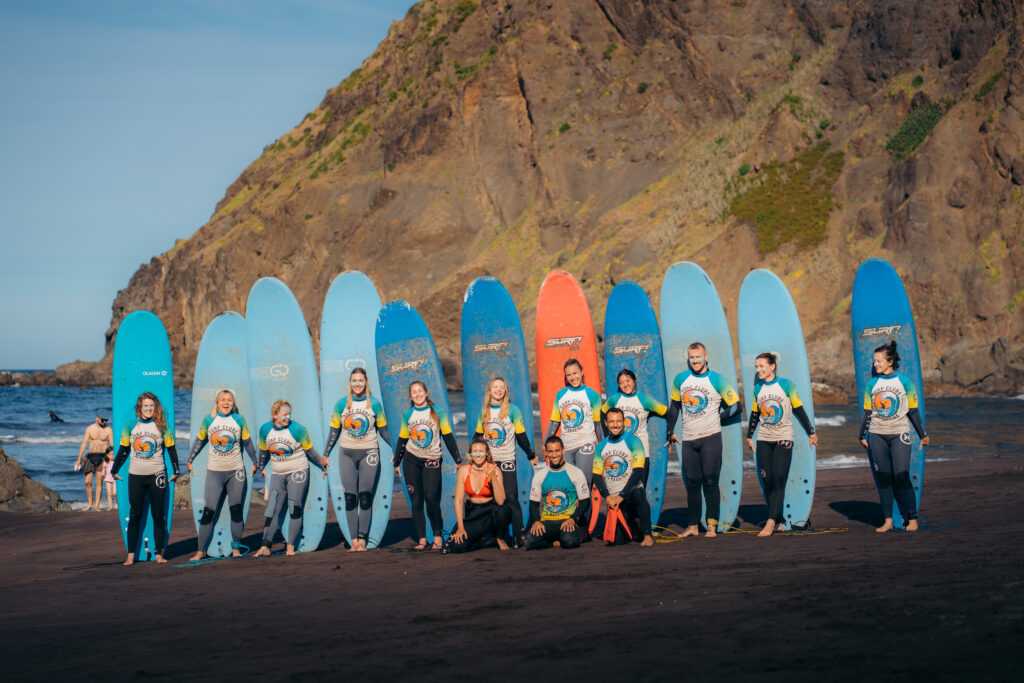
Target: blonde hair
x,y
366,393
277,405
504,406
487,447
216,400
433,413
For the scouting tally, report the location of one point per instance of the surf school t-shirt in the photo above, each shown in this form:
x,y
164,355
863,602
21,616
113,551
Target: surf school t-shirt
x,y
559,492
775,401
890,398
147,443
635,408
700,396
577,409
423,433
287,447
226,434
358,421
501,434
616,459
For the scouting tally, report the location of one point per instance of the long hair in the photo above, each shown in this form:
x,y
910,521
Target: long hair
x,y
158,412
480,439
891,355
433,413
573,361
628,373
366,393
216,400
504,406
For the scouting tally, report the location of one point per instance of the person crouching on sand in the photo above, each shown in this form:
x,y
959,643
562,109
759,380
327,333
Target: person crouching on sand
x,y
480,502
619,465
559,501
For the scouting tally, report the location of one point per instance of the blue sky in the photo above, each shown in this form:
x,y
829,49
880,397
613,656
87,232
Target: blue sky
x,y
122,123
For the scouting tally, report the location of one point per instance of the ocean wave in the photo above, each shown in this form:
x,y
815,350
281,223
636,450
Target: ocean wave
x,y
841,461
1019,397
11,438
181,435
830,421
458,417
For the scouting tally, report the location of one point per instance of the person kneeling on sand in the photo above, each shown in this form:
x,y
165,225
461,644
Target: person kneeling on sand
x,y
619,465
559,501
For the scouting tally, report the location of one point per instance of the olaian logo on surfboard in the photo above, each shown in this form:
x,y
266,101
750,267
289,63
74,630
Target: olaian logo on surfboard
x,y
559,342
154,373
639,350
882,331
408,365
490,347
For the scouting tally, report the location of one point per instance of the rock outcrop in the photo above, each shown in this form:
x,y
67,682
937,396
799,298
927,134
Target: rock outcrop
x,y
21,493
613,138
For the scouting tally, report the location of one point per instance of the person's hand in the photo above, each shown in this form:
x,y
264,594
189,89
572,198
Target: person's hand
x,y
78,465
189,466
536,529
398,471
864,443
568,526
534,461
613,501
672,438
926,440
492,472
325,462
813,439
118,477
254,470
173,478
459,536
750,442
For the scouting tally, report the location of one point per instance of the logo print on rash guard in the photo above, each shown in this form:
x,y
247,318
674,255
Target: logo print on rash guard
x,y
144,447
421,435
222,440
356,425
615,466
886,403
631,422
771,411
694,401
494,433
556,501
572,416
280,450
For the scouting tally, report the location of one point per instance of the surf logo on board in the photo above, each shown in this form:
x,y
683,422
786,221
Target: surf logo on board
x,y
564,342
880,331
356,425
771,411
223,440
421,434
154,373
572,416
694,401
278,372
616,466
144,447
886,403
494,433
556,502
408,365
639,350
490,347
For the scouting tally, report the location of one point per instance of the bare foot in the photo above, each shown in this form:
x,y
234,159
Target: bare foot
x,y
690,531
236,553
198,556
647,542
264,551
354,548
160,559
501,544
362,545
130,561
711,533
768,530
912,525
289,549
885,527
437,543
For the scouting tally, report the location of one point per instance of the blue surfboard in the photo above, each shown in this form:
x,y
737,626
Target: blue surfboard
x,y
142,362
632,340
405,353
691,311
493,346
880,313
347,331
220,364
282,365
768,321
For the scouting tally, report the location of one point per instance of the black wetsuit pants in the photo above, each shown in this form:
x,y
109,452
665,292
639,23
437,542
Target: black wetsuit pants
x,y
423,481
151,487
773,461
890,457
637,512
702,465
479,520
510,482
553,532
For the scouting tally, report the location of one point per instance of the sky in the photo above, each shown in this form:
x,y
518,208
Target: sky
x,y
122,123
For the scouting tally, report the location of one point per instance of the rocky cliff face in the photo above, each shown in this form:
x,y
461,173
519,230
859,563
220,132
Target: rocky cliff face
x,y
21,493
613,138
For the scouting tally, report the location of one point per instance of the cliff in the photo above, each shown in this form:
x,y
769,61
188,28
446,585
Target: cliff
x,y
613,138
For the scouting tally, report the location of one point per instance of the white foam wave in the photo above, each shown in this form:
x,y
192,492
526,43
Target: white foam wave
x,y
830,421
11,438
458,417
1019,397
841,461
181,435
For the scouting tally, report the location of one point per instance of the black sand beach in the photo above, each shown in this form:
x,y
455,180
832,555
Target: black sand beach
x,y
942,604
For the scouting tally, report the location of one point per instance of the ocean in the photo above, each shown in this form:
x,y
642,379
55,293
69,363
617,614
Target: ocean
x,y
959,427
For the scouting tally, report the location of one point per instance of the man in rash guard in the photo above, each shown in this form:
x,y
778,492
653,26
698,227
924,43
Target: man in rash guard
x,y
619,465
559,502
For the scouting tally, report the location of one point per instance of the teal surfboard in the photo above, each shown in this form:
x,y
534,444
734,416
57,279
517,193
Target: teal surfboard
x,y
220,364
347,331
493,346
632,341
768,321
691,311
880,313
142,362
405,353
281,365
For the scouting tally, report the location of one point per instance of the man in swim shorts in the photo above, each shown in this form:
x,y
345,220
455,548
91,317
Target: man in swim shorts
x,y
99,439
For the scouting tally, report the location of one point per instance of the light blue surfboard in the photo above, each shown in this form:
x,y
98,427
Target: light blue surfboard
x,y
220,364
142,362
768,321
880,313
691,311
406,352
632,340
347,331
493,346
282,365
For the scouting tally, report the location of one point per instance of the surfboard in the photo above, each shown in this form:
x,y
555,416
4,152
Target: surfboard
x,y
142,362
564,330
220,364
282,366
692,311
768,321
880,313
347,331
493,346
632,340
406,352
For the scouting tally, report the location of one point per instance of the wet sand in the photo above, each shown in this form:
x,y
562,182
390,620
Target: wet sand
x,y
943,604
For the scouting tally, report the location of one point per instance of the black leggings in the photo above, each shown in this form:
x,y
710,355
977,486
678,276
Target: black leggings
x,y
890,455
510,482
151,487
773,461
553,532
423,480
479,520
702,464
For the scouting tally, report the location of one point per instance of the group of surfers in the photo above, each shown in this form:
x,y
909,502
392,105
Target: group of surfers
x,y
608,452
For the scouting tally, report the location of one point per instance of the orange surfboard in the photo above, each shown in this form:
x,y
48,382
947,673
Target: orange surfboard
x,y
564,330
